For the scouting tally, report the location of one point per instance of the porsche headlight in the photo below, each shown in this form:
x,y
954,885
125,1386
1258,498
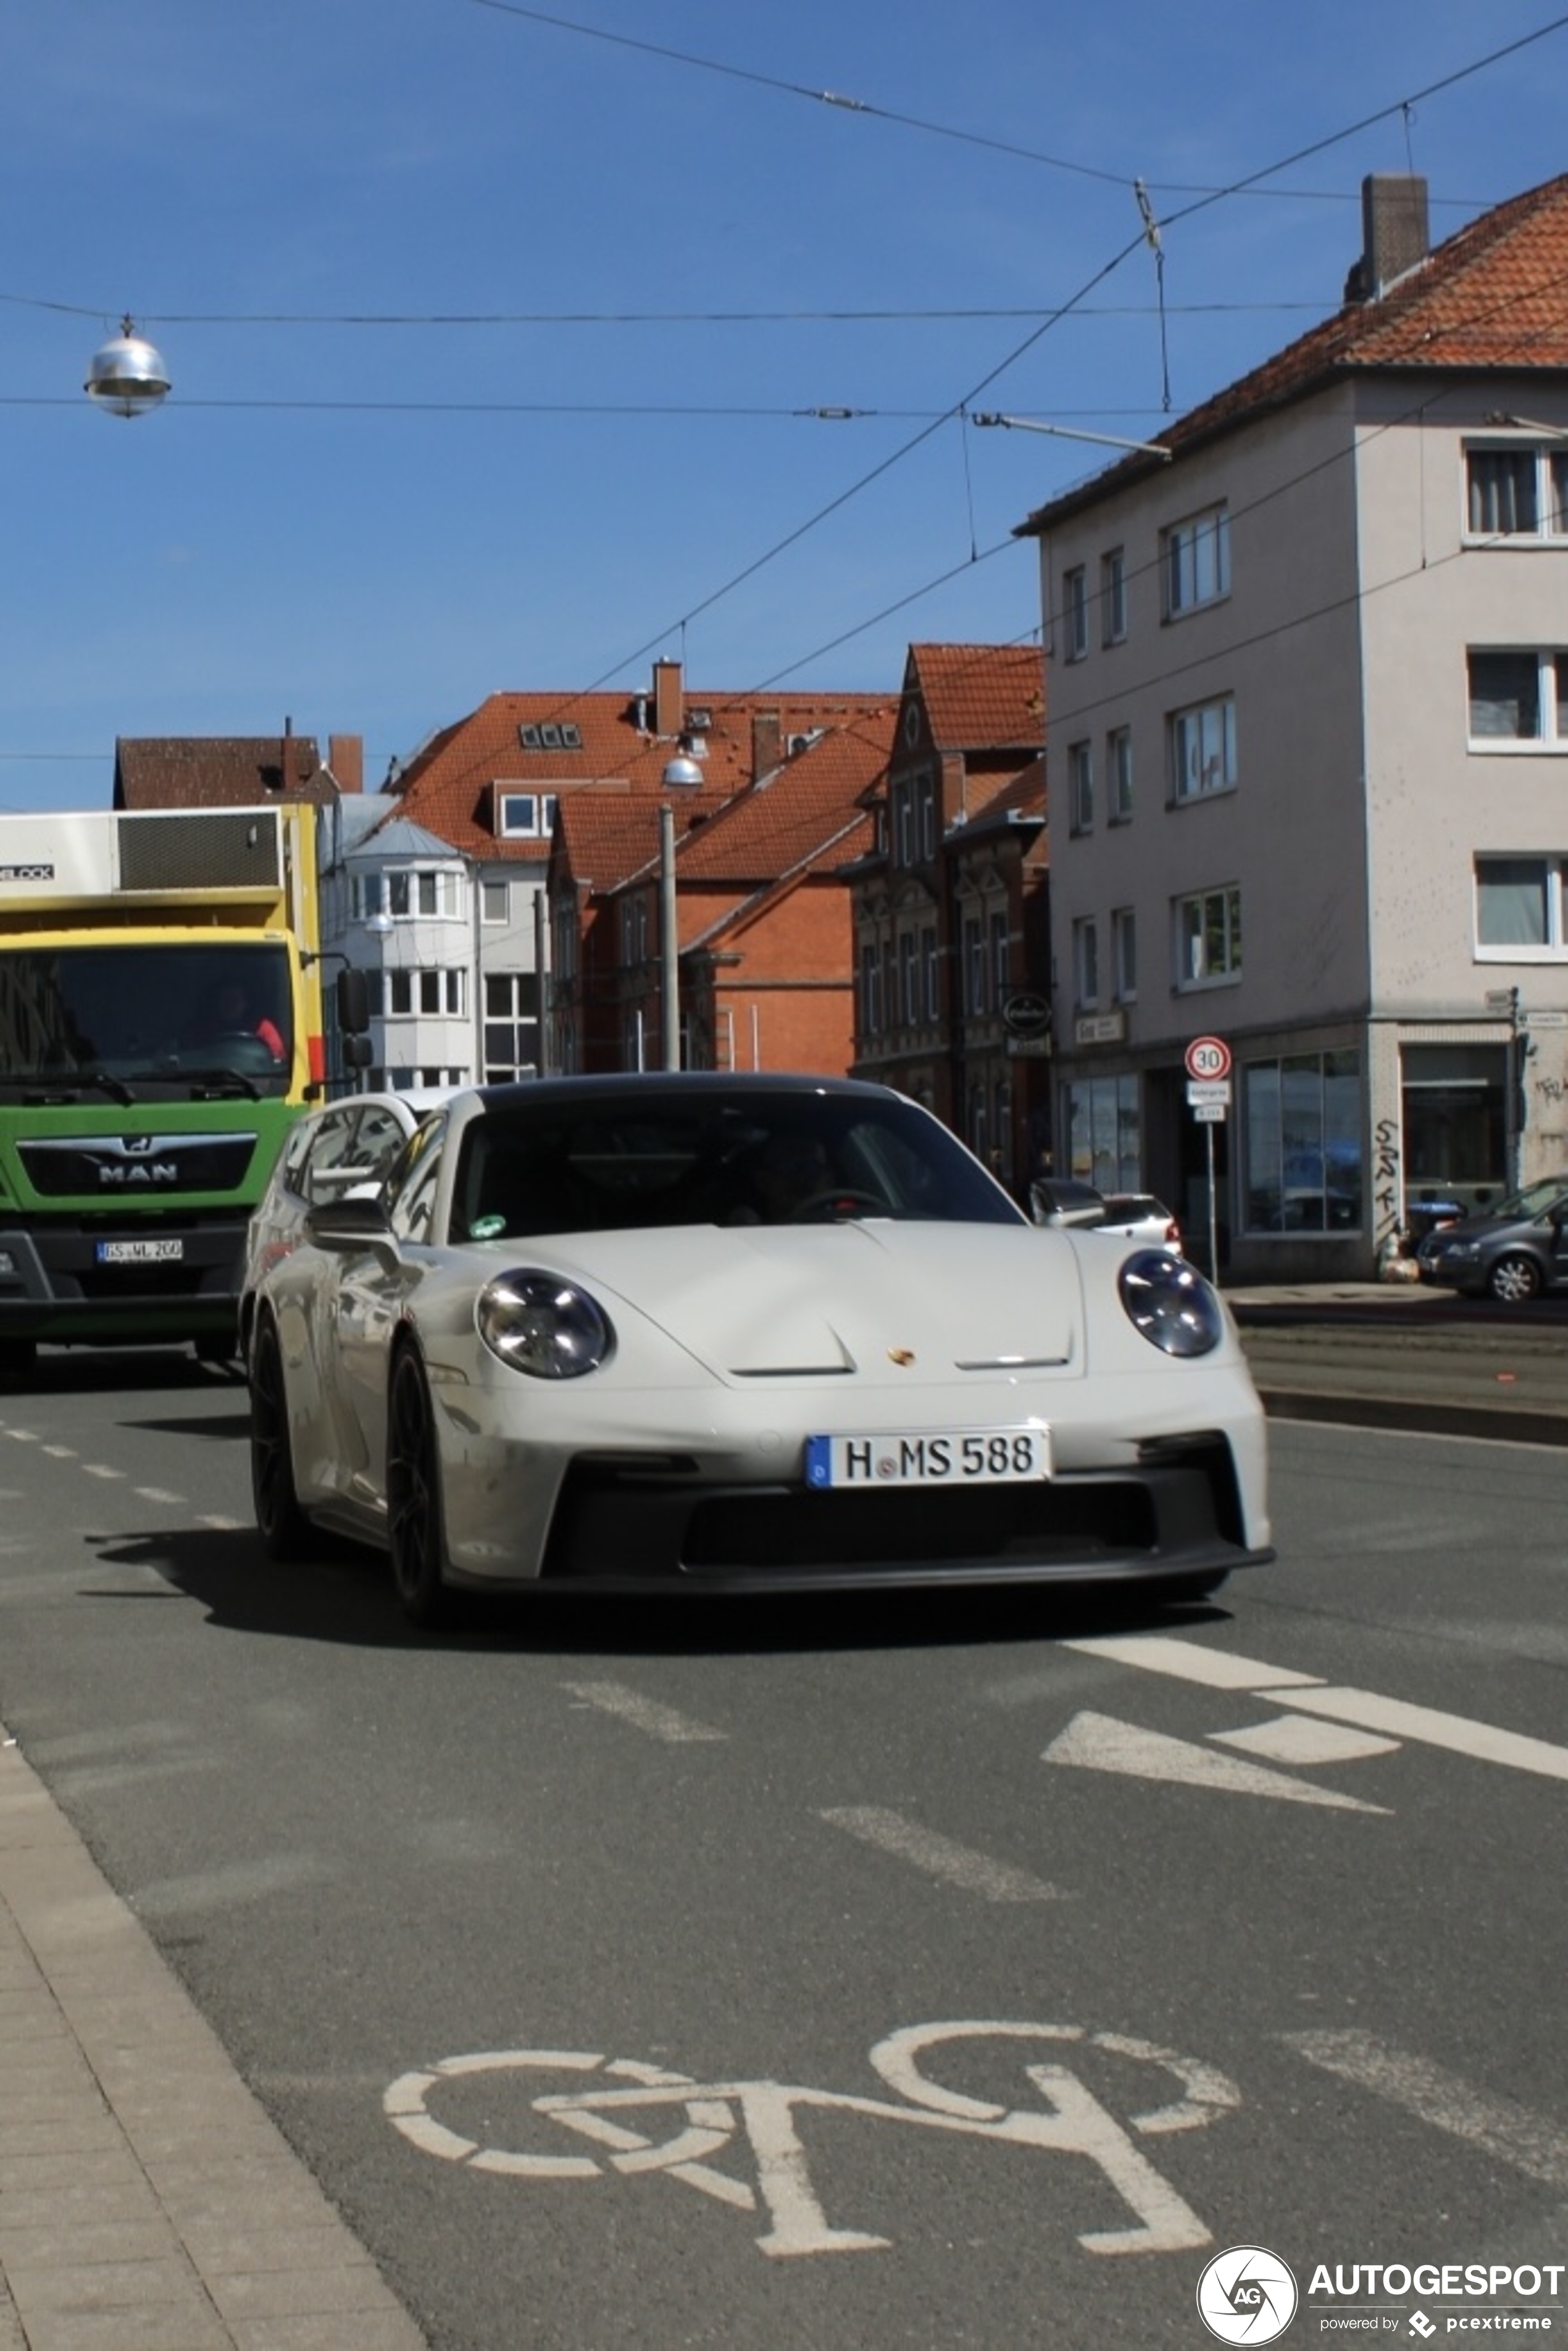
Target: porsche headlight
x,y
544,1325
1171,1303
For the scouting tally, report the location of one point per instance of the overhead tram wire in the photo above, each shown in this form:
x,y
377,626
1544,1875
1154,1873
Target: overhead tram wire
x,y
978,139
968,398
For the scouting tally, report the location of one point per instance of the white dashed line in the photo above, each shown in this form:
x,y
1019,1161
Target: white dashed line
x,y
1510,2133
156,1494
643,1713
938,1856
100,1469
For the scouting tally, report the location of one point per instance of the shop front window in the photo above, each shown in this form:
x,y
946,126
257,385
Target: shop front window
x,y
1453,1101
1303,1119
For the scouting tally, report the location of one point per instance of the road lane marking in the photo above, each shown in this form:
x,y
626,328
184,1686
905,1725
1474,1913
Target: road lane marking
x,y
156,1494
1096,1742
939,1856
1497,2125
1189,1662
643,1713
102,1469
1396,1718
1434,1728
1296,1738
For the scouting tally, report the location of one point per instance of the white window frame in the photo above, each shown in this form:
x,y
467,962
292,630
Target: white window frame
x,y
909,979
1551,700
495,893
1552,871
1080,787
1000,944
1076,613
1547,523
1197,917
1113,597
1119,776
1124,954
1202,739
1085,963
1195,561
525,816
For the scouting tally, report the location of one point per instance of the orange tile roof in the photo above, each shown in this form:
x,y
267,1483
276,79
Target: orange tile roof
x,y
1494,297
805,815
444,788
980,697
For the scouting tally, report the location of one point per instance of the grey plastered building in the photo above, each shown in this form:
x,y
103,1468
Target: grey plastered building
x,y
1308,737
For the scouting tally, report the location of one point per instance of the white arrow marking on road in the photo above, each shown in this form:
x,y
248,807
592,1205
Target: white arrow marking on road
x,y
1096,1742
1533,2144
1395,1717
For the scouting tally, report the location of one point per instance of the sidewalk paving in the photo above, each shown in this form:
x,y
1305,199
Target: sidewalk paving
x,y
147,2203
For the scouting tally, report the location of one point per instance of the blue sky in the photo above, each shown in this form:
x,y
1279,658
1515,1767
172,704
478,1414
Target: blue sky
x,y
492,339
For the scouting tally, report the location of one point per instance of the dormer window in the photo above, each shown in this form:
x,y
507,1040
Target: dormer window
x,y
525,816
547,736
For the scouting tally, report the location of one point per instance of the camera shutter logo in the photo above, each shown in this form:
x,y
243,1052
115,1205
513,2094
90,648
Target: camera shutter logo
x,y
1247,2294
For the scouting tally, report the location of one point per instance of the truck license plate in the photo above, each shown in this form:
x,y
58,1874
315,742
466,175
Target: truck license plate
x,y
159,1252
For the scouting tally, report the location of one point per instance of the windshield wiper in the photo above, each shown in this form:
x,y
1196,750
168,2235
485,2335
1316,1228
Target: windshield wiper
x,y
211,1083
69,1087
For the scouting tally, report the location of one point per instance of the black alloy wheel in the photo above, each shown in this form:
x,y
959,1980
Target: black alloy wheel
x,y
414,1495
286,1533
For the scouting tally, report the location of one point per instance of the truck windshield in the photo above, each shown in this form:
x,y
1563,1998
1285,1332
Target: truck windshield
x,y
146,1015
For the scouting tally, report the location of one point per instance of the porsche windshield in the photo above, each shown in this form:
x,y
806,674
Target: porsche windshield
x,y
617,1163
141,1017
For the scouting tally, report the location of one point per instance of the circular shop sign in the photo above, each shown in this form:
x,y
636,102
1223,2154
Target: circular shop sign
x,y
1027,1014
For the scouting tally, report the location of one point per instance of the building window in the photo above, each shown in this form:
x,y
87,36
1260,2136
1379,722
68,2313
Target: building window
x,y
908,979
903,824
1521,908
1516,492
1080,787
526,816
1197,561
1112,596
1518,697
1100,1121
1209,938
1124,952
511,1034
1086,962
974,965
928,817
496,902
443,992
1075,612
871,991
1119,775
1302,1125
1001,955
1203,750
928,957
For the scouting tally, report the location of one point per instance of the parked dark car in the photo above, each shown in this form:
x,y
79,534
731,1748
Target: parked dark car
x,y
1513,1252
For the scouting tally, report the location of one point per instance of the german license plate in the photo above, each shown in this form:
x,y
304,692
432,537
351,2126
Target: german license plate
x,y
159,1252
971,1457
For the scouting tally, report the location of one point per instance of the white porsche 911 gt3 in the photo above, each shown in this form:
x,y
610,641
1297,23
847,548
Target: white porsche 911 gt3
x,y
724,1331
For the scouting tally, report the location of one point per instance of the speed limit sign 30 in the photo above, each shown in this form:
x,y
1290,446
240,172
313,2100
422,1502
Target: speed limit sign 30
x,y
1209,1057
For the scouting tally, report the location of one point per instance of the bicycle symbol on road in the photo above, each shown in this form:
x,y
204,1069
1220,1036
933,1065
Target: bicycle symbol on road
x,y
709,2116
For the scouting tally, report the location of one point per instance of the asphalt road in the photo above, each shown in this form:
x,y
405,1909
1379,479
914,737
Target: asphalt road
x,y
966,1972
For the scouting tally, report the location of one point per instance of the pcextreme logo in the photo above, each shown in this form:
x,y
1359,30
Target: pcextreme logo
x,y
1247,2295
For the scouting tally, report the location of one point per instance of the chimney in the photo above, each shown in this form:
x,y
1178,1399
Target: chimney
x,y
346,757
1394,233
766,743
668,698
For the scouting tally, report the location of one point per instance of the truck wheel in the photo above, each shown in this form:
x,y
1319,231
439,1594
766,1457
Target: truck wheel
x,y
283,1526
